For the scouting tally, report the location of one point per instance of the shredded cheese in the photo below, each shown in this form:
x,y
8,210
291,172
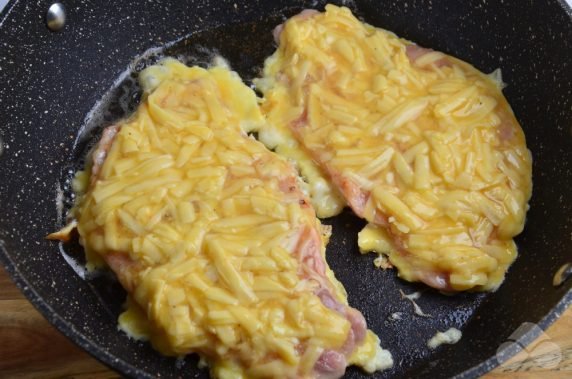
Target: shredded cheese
x,y
419,143
208,231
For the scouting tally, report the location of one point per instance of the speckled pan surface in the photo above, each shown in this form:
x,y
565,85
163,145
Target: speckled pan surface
x,y
50,82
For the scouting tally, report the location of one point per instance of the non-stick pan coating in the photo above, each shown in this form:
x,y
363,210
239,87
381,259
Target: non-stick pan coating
x,y
57,90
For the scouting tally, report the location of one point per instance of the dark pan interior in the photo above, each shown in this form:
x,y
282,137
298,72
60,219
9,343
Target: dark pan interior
x,y
57,90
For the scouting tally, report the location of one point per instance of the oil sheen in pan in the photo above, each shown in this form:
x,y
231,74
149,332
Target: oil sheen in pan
x,y
374,292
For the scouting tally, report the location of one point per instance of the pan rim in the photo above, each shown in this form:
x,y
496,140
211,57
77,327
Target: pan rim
x,y
567,6
64,326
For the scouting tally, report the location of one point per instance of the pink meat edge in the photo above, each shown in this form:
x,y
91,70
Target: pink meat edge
x,y
332,363
100,152
304,15
414,52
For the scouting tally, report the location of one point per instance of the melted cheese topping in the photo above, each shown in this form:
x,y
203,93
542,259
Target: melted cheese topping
x,y
420,143
204,225
325,198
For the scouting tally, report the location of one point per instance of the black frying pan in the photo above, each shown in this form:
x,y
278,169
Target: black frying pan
x,y
57,91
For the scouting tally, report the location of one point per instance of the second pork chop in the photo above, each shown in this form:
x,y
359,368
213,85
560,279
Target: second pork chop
x,y
422,145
